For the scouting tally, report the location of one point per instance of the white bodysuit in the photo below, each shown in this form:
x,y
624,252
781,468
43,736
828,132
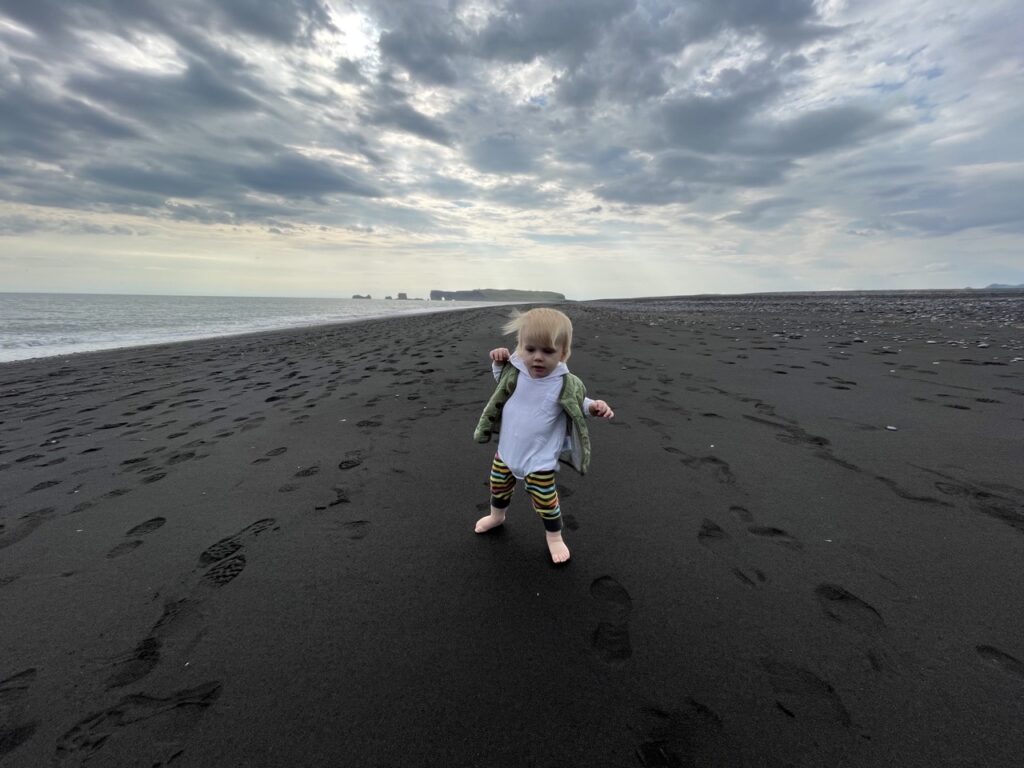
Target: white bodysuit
x,y
532,421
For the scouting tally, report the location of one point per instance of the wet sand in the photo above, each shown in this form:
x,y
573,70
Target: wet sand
x,y
800,543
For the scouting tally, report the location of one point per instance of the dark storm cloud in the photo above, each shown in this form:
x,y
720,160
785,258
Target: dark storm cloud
x,y
786,22
300,177
181,177
45,125
282,21
711,120
504,152
646,190
349,71
578,90
198,91
523,30
820,131
730,171
948,207
705,123
405,118
423,49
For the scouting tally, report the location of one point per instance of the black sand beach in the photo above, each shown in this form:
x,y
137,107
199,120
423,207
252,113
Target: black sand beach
x,y
801,543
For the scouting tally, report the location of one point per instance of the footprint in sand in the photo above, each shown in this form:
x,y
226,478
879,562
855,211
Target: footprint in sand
x,y
711,533
720,469
15,727
224,571
846,608
754,577
139,530
231,544
1001,660
610,640
340,497
356,529
155,727
775,535
269,455
675,738
253,423
179,627
27,523
742,513
803,695
123,548
713,536
177,458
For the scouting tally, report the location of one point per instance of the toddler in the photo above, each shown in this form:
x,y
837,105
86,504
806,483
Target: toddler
x,y
538,412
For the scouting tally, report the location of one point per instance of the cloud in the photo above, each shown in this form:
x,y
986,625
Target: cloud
x,y
283,21
301,177
500,153
737,124
43,124
198,90
158,181
405,118
524,30
820,131
424,50
758,213
645,190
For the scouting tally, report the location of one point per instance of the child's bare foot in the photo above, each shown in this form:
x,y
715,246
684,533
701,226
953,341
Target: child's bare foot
x,y
493,520
559,552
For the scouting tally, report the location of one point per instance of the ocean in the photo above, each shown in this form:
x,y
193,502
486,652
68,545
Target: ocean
x,y
53,324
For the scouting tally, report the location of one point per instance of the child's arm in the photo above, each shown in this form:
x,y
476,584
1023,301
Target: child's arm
x,y
499,357
598,408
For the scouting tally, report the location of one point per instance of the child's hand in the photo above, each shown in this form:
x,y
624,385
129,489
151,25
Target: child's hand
x,y
500,355
600,408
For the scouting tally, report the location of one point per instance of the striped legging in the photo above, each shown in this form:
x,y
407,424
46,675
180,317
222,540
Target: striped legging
x,y
539,485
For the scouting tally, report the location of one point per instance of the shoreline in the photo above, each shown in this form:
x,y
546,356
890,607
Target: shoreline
x,y
232,335
672,304
258,550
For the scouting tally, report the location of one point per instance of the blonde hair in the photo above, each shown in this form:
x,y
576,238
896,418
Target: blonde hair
x,y
543,326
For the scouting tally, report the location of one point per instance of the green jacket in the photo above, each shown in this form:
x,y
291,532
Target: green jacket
x,y
577,451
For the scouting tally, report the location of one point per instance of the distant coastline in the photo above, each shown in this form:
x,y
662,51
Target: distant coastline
x,y
496,294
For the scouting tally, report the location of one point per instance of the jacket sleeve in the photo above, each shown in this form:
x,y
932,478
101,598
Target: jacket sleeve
x,y
496,369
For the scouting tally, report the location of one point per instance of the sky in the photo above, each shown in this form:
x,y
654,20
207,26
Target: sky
x,y
598,148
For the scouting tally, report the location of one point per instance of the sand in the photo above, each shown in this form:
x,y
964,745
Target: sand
x,y
800,543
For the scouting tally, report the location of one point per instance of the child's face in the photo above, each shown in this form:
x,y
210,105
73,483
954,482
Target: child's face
x,y
541,357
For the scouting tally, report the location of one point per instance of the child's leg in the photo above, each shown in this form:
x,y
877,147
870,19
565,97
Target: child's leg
x,y
503,483
544,495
